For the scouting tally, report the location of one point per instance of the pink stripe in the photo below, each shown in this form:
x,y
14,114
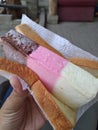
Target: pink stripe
x,y
49,60
47,65
48,78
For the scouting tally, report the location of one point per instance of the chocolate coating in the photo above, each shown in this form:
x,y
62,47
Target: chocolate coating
x,y
20,42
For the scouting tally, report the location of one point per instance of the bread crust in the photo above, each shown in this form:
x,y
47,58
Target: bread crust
x,y
53,113
21,70
85,62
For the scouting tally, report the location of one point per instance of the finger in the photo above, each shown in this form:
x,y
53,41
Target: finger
x,y
16,84
17,97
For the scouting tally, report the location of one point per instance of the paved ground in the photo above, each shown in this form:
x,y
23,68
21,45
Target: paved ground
x,y
6,26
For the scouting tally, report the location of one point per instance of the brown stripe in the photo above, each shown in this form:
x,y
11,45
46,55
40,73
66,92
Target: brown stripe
x,y
20,42
84,62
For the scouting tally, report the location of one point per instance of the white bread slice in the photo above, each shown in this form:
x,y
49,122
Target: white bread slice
x,y
87,64
60,116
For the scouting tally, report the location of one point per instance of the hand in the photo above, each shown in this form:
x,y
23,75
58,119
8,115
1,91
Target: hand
x,y
20,111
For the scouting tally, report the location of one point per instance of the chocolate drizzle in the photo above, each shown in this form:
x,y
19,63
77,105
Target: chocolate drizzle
x,y
20,42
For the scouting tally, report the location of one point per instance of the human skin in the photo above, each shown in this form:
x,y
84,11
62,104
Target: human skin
x,y
20,112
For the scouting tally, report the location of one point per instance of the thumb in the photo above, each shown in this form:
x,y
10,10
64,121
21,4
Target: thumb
x,y
16,99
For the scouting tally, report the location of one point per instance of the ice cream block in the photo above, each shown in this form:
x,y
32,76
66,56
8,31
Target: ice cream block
x,y
67,82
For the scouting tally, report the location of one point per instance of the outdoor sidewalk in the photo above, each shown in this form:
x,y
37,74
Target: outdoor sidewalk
x,y
6,26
